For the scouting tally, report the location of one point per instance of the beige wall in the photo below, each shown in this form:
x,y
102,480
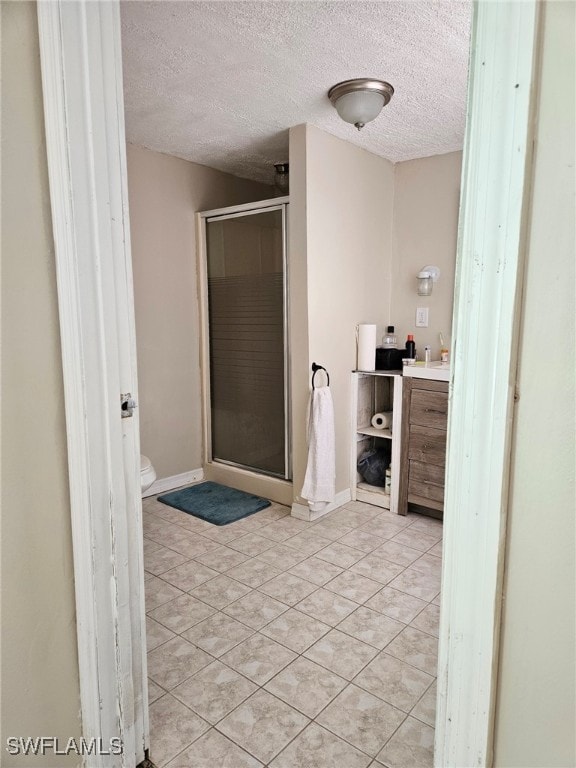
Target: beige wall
x,y
165,192
426,200
348,214
40,689
535,708
391,219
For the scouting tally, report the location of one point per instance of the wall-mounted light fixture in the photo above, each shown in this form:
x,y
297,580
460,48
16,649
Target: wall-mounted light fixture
x,y
360,101
281,179
426,277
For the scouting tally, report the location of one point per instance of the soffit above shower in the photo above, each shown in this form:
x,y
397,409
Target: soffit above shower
x,y
220,83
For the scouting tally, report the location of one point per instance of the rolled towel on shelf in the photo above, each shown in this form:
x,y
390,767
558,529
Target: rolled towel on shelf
x,y
382,420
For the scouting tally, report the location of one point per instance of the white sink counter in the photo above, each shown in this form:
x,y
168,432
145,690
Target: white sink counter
x,y
435,370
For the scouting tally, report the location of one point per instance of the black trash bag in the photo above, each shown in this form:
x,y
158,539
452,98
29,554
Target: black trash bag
x,y
372,465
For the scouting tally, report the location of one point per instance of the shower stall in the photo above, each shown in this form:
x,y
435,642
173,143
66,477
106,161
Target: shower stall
x,y
244,302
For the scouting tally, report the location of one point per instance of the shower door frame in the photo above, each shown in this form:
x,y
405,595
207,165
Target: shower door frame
x,y
273,485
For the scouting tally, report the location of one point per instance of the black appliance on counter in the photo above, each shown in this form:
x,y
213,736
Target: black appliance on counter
x,y
389,359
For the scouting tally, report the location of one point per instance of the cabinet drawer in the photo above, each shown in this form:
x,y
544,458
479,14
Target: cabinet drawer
x,y
430,409
426,480
427,444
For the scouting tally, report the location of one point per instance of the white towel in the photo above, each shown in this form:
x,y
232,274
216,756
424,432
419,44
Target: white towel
x,y
320,479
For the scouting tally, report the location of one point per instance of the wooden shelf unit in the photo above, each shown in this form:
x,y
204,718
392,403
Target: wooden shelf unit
x,y
374,392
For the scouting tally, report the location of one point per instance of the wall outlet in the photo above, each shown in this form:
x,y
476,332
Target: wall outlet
x,y
422,317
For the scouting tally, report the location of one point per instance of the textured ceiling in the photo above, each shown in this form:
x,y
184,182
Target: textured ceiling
x,y
220,83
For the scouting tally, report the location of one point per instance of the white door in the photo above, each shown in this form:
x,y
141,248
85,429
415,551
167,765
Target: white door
x,y
83,106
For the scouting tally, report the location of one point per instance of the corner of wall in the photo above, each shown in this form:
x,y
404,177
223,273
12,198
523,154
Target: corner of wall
x,y
424,231
298,296
393,246
347,241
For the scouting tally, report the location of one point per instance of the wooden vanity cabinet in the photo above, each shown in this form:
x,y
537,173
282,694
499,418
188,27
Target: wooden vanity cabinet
x,y
423,443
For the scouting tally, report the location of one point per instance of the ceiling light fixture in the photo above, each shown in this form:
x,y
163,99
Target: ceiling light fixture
x,y
360,101
281,179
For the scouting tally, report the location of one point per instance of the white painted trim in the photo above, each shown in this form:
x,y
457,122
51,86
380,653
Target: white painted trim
x,y
174,481
488,279
80,54
234,210
303,511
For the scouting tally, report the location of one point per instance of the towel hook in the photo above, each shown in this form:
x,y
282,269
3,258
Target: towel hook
x,y
315,369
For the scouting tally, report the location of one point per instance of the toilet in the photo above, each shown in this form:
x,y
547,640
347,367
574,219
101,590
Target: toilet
x,y
147,473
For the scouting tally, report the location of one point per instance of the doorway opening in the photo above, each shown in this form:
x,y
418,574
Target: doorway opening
x,y
471,561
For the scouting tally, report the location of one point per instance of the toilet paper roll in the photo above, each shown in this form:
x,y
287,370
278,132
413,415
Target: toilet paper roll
x,y
366,335
382,420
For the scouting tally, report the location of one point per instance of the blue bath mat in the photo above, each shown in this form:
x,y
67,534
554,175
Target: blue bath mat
x,y
214,503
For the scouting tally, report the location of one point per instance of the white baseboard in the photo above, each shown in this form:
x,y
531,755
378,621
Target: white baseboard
x,y
175,481
303,511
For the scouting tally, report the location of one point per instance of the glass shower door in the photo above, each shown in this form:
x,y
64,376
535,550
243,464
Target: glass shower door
x,y
247,340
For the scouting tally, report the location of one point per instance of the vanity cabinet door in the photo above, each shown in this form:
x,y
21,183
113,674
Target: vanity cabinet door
x,y
426,481
428,445
429,409
423,450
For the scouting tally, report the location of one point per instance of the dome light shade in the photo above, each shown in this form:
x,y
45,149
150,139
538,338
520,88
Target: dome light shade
x,y
426,277
360,101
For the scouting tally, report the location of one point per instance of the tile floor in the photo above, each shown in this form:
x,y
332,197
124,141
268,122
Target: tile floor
x,y
276,642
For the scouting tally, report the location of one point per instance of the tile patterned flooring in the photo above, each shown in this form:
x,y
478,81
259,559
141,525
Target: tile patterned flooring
x,y
277,642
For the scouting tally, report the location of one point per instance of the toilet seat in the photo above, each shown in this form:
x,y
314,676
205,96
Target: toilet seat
x,y
147,473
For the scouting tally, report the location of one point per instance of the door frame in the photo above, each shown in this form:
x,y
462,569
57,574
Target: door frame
x,y
83,107
80,56
496,176
276,488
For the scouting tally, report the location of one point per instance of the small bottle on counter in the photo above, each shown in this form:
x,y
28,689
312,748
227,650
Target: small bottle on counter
x,y
427,353
410,347
443,349
389,340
